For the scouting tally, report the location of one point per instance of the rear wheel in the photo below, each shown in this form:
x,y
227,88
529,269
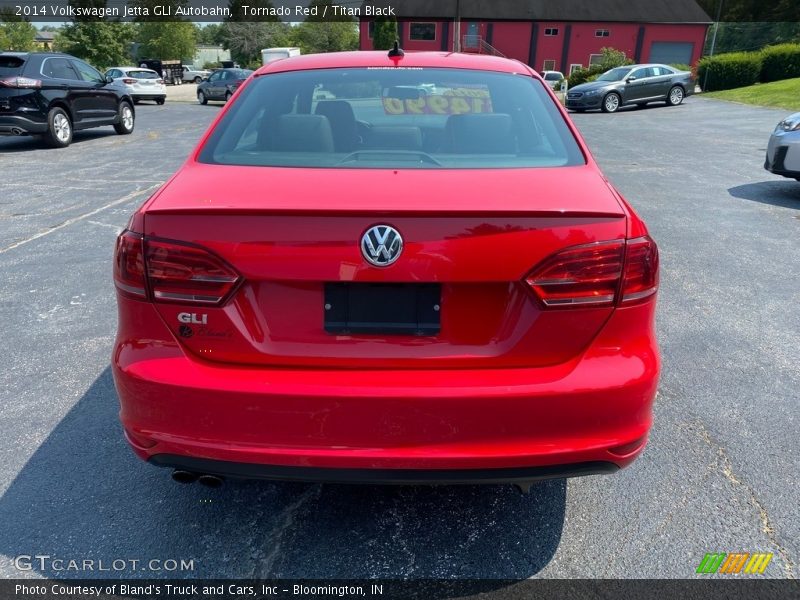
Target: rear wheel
x,y
160,100
198,80
675,96
126,119
611,102
201,97
59,131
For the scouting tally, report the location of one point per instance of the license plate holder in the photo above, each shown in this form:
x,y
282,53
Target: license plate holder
x,y
383,308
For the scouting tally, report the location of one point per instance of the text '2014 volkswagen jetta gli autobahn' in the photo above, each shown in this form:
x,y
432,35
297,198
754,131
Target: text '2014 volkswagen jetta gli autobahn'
x,y
422,277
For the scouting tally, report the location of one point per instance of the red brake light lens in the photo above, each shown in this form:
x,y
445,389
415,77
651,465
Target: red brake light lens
x,y
129,81
129,265
187,274
640,280
581,276
20,82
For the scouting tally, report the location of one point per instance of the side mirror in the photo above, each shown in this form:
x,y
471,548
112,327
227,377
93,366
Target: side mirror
x,y
109,79
631,78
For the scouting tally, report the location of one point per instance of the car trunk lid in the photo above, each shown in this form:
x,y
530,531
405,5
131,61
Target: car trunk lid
x,y
471,237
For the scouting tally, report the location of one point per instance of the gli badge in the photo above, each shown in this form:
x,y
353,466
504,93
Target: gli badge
x,y
193,318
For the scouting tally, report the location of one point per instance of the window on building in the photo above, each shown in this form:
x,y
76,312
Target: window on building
x,y
551,31
574,67
425,32
549,65
595,59
601,33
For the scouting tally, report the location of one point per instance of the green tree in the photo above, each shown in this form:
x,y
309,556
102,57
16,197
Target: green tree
x,y
174,40
211,34
245,40
17,35
330,36
99,43
384,34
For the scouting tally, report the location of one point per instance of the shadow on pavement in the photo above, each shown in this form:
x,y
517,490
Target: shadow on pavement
x,y
778,192
83,495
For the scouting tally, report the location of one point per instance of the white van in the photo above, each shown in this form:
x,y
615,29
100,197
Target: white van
x,y
270,54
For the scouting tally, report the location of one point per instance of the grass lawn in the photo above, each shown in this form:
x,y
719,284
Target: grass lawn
x,y
778,94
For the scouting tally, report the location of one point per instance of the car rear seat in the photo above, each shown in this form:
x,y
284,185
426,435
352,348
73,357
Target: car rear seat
x,y
303,133
394,138
480,134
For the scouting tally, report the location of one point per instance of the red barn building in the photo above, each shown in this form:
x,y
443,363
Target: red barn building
x,y
552,35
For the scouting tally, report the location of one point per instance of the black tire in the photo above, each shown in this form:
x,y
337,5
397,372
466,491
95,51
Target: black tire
x,y
59,128
201,97
228,96
611,102
198,80
127,119
675,96
160,101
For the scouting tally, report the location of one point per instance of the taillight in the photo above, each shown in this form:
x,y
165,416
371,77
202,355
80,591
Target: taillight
x,y
640,279
597,275
160,81
129,265
581,276
129,81
168,271
20,82
186,274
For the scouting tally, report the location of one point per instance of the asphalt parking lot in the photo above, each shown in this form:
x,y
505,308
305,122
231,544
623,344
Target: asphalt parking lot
x,y
719,474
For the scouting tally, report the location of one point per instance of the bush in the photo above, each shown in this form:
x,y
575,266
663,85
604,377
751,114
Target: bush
x,y
728,71
609,59
579,76
780,62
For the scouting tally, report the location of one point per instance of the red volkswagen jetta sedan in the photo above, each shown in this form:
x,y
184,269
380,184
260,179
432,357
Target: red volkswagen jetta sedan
x,y
382,268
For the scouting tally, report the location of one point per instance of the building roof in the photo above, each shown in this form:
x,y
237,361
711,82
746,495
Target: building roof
x,y
627,11
44,36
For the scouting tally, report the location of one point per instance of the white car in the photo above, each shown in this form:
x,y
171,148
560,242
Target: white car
x,y
142,84
552,78
193,75
783,151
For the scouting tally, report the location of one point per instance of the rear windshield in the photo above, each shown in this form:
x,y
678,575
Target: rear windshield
x,y
393,118
11,65
143,74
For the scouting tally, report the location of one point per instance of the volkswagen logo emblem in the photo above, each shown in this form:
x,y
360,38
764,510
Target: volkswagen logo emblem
x,y
381,245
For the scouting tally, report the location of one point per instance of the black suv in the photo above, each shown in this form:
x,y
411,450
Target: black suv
x,y
51,95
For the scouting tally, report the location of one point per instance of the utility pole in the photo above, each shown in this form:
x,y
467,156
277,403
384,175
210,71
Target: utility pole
x,y
714,39
457,36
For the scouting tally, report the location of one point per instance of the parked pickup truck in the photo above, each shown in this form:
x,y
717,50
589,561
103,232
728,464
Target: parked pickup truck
x,y
190,74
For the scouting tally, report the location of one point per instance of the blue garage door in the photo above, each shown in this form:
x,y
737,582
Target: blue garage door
x,y
670,53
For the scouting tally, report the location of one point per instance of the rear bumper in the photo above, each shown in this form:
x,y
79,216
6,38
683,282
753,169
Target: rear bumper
x,y
379,476
18,125
424,425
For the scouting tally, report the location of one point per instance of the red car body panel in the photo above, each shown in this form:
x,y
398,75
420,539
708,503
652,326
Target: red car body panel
x,y
508,382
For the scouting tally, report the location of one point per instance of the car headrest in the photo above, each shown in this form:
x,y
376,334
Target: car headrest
x,y
303,133
480,134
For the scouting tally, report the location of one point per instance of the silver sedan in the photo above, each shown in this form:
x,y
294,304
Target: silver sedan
x,y
783,151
